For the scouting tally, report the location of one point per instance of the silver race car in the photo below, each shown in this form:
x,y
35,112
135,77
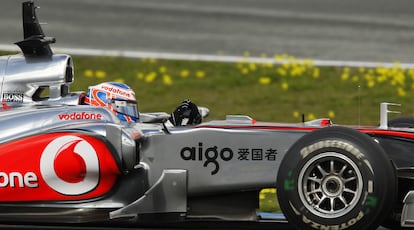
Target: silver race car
x,y
91,157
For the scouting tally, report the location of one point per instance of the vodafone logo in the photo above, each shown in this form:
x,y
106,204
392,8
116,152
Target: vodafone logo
x,y
70,165
80,116
116,90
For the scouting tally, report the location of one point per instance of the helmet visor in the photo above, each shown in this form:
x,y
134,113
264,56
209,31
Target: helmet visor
x,y
126,107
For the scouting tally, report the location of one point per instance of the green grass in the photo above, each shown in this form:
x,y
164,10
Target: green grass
x,y
268,201
265,92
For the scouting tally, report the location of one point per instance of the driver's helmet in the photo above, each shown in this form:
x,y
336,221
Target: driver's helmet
x,y
118,97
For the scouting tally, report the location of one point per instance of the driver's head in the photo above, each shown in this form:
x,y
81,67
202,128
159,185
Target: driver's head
x,y
118,97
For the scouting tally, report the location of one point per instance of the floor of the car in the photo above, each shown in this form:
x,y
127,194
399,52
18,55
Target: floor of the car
x,y
271,216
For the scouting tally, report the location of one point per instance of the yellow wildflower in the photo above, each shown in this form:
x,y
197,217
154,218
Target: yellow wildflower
x,y
184,73
411,73
262,196
331,114
267,65
308,63
399,78
355,78
401,92
150,77
245,71
252,66
397,65
316,73
140,76
166,79
311,117
296,114
100,74
200,74
371,83
265,80
381,71
277,57
120,80
281,71
344,76
347,69
265,190
296,70
88,73
163,69
285,86
281,57
381,78
286,65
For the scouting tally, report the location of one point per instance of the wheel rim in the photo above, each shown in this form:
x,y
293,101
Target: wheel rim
x,y
330,185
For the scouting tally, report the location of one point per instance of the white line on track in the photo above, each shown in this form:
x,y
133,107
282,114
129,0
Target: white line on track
x,y
205,57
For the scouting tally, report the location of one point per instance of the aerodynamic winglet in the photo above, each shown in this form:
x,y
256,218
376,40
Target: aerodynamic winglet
x,y
35,42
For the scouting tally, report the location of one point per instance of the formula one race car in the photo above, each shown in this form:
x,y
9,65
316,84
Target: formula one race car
x,y
64,159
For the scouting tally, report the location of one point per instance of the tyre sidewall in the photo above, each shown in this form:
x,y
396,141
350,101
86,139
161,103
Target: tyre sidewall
x,y
378,178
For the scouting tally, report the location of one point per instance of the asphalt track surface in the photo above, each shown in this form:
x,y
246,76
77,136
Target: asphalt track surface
x,y
368,30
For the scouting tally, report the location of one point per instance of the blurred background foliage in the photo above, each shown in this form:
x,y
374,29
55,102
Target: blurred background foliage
x,y
264,91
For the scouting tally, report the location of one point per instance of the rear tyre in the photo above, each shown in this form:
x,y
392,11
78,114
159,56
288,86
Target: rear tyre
x,y
336,178
402,122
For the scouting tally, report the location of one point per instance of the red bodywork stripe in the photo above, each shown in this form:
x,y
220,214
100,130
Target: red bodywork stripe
x,y
271,128
393,133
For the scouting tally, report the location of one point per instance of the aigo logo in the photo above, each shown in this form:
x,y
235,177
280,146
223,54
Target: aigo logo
x,y
70,165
